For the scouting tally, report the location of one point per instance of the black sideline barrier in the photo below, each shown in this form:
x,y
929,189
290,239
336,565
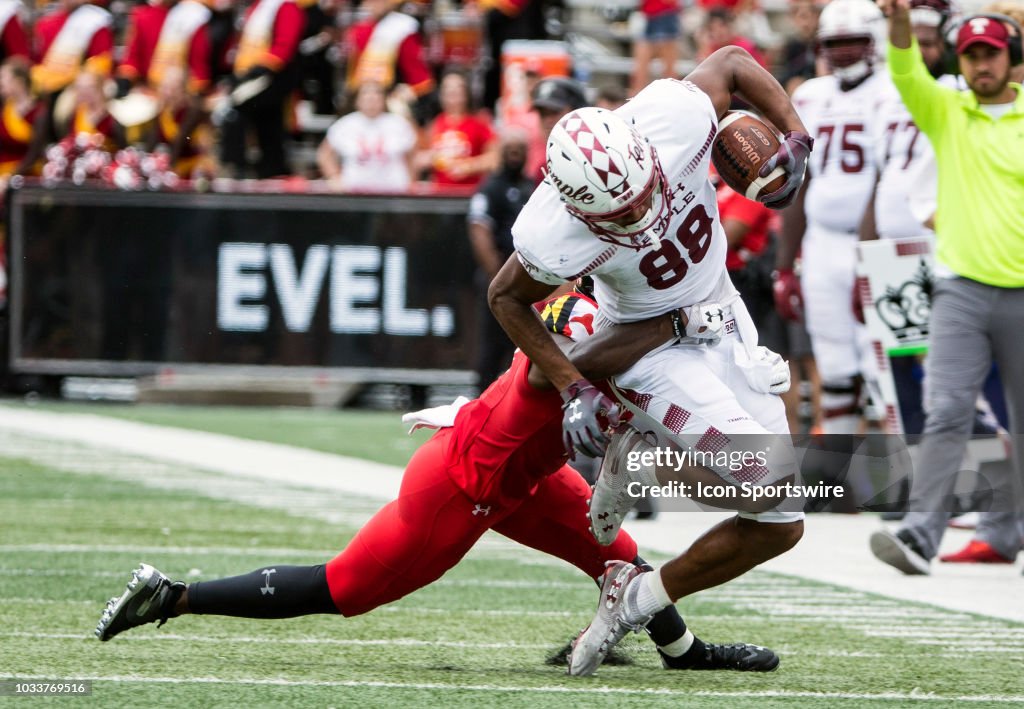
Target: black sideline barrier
x,y
114,283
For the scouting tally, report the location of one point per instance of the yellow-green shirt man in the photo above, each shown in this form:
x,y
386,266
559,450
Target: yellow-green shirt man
x,y
980,218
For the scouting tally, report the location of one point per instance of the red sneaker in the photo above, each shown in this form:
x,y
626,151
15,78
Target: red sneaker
x,y
976,552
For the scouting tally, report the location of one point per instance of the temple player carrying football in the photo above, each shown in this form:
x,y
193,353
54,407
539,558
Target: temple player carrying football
x,y
628,201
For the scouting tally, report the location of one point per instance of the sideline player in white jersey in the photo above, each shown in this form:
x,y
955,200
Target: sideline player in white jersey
x,y
901,151
628,201
840,110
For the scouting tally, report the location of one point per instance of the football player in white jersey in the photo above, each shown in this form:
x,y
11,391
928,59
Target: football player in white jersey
x,y
901,151
840,111
628,201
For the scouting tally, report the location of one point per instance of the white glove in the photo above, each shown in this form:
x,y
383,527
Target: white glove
x,y
705,321
766,372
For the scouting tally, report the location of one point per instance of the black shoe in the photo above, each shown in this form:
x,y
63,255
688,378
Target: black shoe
x,y
740,657
900,551
149,597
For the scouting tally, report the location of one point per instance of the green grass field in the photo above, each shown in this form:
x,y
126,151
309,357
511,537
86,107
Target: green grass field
x,y
71,532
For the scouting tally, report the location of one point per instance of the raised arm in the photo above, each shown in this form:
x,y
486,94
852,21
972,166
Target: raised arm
x,y
731,70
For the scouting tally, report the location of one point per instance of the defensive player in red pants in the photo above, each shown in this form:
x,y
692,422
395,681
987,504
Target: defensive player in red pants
x,y
501,466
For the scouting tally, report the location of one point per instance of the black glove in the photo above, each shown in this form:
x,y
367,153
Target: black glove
x,y
792,157
582,413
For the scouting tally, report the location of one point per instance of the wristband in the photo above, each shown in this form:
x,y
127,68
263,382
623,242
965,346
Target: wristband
x,y
678,324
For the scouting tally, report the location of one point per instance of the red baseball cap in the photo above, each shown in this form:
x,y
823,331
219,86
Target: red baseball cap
x,y
986,30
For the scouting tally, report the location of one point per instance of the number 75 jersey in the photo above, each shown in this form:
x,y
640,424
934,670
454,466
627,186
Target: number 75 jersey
x,y
842,166
688,265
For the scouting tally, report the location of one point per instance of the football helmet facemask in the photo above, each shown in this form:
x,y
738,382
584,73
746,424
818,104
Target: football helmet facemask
x,y
849,35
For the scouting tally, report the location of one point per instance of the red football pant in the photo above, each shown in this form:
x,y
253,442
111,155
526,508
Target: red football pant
x,y
414,540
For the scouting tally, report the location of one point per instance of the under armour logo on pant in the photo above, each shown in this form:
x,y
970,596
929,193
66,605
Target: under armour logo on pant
x,y
267,588
480,509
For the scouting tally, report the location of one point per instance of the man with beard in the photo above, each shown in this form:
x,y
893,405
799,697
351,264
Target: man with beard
x,y
978,299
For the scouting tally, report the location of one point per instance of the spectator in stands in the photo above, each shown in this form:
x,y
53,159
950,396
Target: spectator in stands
x,y
386,48
76,36
369,150
181,127
718,32
799,58
505,20
13,38
316,65
461,147
492,211
21,110
163,34
552,98
264,77
88,114
660,40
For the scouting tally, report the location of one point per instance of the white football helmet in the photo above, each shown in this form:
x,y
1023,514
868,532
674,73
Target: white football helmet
x,y
603,169
843,20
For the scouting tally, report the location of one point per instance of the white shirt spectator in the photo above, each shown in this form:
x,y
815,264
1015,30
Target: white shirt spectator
x,y
373,152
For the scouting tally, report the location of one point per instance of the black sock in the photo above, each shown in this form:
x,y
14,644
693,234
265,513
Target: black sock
x,y
695,657
270,592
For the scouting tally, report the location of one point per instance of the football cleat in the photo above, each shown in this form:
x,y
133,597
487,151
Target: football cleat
x,y
149,597
899,551
610,624
741,657
611,502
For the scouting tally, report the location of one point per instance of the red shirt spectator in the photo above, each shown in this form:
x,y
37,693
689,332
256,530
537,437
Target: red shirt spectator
x,y
386,48
152,45
718,32
746,224
269,40
462,146
87,44
454,140
19,114
13,40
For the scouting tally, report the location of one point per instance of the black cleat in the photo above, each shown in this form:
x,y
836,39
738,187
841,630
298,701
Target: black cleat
x,y
149,597
740,657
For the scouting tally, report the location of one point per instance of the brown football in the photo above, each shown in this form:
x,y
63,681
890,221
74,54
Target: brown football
x,y
744,143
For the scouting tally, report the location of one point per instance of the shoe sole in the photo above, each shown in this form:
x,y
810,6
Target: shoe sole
x,y
888,549
954,559
139,581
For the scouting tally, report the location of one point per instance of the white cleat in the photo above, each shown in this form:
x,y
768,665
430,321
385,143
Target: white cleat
x,y
610,625
611,501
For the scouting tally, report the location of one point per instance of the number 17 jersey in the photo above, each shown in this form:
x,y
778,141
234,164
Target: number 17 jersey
x,y
688,266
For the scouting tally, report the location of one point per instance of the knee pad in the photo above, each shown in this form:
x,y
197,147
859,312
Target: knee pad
x,y
840,397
